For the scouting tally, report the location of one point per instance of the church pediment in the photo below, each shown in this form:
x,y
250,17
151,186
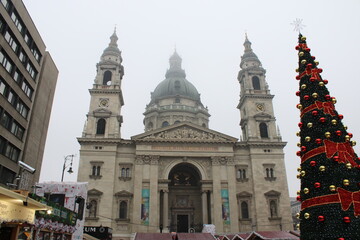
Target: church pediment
x,y
123,194
184,132
94,192
102,112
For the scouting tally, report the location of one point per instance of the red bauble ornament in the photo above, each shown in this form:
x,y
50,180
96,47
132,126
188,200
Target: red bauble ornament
x,y
298,77
314,113
321,218
341,116
309,65
298,153
306,97
327,97
317,185
338,133
297,47
300,124
303,148
312,79
350,135
320,70
307,49
325,81
297,93
346,219
318,141
341,238
312,163
313,57
322,119
298,198
336,158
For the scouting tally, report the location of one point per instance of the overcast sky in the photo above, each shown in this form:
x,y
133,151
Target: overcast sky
x,y
209,36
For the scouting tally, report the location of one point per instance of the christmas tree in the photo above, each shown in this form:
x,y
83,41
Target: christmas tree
x,y
329,169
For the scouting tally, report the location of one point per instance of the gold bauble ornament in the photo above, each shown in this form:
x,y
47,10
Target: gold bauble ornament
x,y
316,62
298,226
298,192
346,182
298,176
321,84
333,122
299,169
301,54
307,139
327,134
299,106
297,70
345,127
309,125
347,138
332,188
348,165
303,38
306,215
314,95
353,143
298,144
298,134
303,61
333,100
322,168
306,190
297,215
303,86
302,173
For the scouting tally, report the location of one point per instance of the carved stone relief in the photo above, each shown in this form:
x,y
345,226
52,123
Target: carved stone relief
x,y
186,133
147,159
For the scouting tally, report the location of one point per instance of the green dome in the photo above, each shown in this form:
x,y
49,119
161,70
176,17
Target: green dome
x,y
175,87
175,83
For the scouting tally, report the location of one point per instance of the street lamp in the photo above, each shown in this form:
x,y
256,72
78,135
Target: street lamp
x,y
67,158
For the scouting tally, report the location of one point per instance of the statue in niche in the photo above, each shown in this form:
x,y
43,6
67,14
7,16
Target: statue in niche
x,y
182,178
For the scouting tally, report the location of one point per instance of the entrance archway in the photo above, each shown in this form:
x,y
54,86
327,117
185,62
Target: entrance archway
x,y
185,204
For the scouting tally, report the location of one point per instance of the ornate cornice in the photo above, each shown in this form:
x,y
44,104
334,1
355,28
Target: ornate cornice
x,y
147,159
218,160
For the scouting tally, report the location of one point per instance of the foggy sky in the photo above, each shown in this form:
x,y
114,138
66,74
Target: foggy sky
x,y
209,36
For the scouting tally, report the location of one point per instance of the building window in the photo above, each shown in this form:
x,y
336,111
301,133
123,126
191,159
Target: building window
x,y
27,89
3,87
16,19
263,130
244,210
5,62
5,3
256,83
107,78
96,169
10,40
125,172
269,172
6,175
31,70
177,85
92,213
150,126
165,124
123,210
273,209
177,100
101,124
241,173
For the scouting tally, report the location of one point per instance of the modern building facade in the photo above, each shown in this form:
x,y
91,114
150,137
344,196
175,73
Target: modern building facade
x,y
28,79
180,174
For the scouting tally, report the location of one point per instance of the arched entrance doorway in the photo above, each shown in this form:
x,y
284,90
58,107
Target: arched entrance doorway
x,y
185,205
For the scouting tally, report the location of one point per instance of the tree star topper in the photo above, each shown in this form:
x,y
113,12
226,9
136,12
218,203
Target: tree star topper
x,y
298,26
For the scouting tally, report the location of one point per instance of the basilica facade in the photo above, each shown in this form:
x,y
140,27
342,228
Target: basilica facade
x,y
180,174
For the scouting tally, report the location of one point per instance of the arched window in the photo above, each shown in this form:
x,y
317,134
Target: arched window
x,y
244,210
177,100
165,124
271,172
239,174
92,209
267,172
256,83
107,78
273,208
123,210
244,173
203,125
123,172
100,129
176,122
128,172
263,130
98,171
150,126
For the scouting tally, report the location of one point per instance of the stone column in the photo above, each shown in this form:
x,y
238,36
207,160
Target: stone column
x,y
166,210
204,206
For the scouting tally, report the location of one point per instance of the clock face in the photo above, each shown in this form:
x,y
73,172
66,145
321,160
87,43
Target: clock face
x,y
104,102
260,106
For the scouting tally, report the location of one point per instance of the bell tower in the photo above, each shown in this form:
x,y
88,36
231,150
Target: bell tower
x,y
255,105
104,117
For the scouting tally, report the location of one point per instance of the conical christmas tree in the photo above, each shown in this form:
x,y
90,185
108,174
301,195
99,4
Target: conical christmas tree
x,y
329,169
